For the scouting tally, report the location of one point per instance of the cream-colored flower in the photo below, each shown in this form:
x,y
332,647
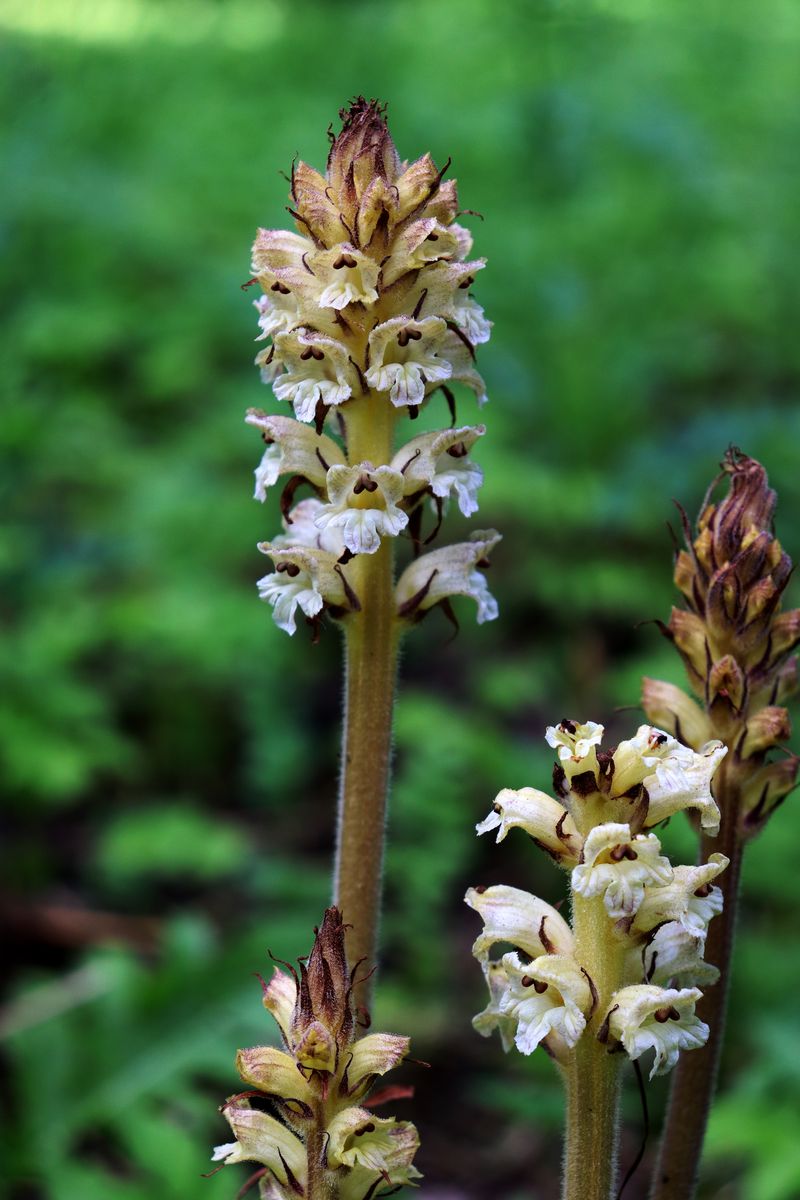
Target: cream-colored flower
x,y
618,865
307,574
511,915
370,1057
274,1073
439,462
363,504
420,244
374,1147
461,357
674,958
262,1139
318,371
681,780
277,313
645,1017
452,571
689,898
576,745
292,449
469,315
548,995
280,996
542,818
344,276
404,358
674,776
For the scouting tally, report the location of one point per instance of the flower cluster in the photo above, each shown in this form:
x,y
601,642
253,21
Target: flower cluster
x,y
735,642
600,828
327,1141
366,312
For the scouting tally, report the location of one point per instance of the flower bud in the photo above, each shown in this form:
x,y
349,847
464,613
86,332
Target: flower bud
x,y
766,790
668,707
766,729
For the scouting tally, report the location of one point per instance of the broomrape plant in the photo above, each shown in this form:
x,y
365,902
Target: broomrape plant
x,y
624,975
366,315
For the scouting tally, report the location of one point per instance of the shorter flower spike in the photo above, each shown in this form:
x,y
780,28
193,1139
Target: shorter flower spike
x,y
644,1017
323,1135
634,955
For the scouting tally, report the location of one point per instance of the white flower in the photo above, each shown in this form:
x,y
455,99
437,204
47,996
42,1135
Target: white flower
x,y
345,276
421,243
511,915
276,314
363,505
262,1139
682,779
548,995
318,371
292,449
307,574
439,462
674,776
542,818
617,866
674,958
645,1017
404,359
469,315
689,898
452,571
576,745
460,355
286,594
371,1147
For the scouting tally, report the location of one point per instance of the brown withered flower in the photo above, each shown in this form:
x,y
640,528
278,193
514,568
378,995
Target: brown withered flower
x,y
735,642
327,1143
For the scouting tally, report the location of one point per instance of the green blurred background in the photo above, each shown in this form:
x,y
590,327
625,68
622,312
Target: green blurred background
x,y
169,757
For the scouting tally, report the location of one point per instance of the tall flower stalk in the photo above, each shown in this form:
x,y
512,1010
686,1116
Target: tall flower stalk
x,y
624,977
367,313
737,646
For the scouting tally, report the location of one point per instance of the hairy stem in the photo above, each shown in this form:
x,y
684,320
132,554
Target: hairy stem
x,y
695,1078
592,1074
371,637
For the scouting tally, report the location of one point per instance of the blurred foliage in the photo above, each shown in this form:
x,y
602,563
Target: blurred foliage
x,y
166,752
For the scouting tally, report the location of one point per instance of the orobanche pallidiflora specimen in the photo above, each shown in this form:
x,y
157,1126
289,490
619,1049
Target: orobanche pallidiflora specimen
x,y
366,315
623,978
